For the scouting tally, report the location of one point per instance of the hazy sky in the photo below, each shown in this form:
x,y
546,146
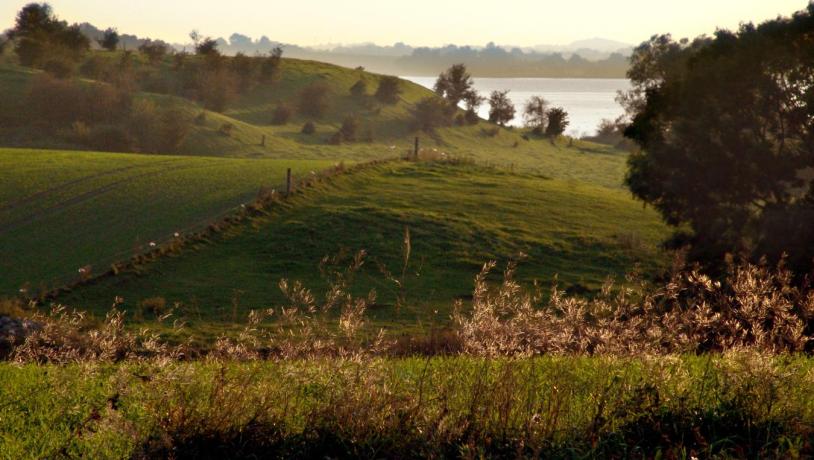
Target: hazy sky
x,y
417,22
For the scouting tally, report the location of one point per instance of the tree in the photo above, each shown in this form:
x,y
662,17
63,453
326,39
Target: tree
x,y
204,46
535,114
432,112
557,121
389,90
109,40
455,84
270,67
40,37
314,99
350,126
725,130
501,109
473,101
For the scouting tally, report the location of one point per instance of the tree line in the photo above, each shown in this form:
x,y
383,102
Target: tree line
x,y
455,86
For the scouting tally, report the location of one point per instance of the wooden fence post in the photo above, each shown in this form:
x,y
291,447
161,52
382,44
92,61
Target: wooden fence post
x,y
415,150
288,182
263,141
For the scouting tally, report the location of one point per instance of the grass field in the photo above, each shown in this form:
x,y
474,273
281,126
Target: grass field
x,y
60,211
458,216
733,406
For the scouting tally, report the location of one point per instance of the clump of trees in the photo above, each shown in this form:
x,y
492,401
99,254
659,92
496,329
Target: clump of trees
x,y
41,40
726,132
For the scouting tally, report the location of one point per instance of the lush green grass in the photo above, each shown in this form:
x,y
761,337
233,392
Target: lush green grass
x,y
62,210
458,216
735,406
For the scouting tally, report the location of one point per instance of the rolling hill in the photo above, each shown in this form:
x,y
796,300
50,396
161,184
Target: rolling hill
x,y
250,117
61,210
458,217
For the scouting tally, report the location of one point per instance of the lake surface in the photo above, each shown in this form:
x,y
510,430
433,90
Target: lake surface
x,y
587,100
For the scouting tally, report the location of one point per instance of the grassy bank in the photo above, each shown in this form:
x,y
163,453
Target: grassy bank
x,y
739,405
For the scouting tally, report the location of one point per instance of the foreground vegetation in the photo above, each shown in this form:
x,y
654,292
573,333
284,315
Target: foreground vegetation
x,y
740,405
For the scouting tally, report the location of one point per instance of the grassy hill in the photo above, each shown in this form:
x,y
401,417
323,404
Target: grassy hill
x,y
62,210
458,216
391,126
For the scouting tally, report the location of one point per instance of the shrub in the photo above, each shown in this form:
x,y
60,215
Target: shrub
x,y
314,99
557,122
226,129
336,138
389,90
96,68
471,117
432,112
350,126
282,113
200,119
309,128
216,89
359,89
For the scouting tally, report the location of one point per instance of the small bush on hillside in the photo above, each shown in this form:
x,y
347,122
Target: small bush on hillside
x,y
314,99
217,88
95,68
336,138
200,119
432,112
350,126
557,122
281,115
389,90
309,128
359,89
226,129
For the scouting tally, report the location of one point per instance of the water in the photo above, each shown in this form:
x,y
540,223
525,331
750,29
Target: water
x,y
587,100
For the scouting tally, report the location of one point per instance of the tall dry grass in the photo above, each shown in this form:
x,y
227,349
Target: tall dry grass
x,y
754,307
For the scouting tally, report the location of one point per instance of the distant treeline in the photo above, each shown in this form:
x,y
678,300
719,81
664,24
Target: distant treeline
x,y
402,59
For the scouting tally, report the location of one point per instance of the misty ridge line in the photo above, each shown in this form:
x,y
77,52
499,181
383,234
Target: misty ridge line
x,y
591,58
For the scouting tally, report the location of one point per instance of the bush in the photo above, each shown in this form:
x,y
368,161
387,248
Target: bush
x,y
336,138
281,115
314,99
96,68
389,90
226,129
359,89
155,51
200,119
432,112
309,128
350,126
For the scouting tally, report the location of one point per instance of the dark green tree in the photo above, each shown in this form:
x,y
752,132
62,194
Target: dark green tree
x,y
501,109
726,130
109,40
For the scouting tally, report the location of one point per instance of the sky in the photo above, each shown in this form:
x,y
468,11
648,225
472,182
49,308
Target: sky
x,y
415,22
